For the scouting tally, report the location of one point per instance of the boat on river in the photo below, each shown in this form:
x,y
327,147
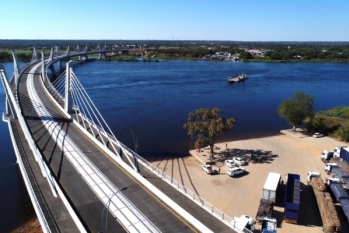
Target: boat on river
x,y
237,78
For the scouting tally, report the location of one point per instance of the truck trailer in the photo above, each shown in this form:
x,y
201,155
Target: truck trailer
x,y
337,171
271,185
343,164
292,198
329,216
337,151
268,199
265,210
344,153
340,194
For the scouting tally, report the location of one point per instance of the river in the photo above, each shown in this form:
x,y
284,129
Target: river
x,y
151,100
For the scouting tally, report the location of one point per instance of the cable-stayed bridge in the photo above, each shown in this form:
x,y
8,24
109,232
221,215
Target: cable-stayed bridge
x,y
79,177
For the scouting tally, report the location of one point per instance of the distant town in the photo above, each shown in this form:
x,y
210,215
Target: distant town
x,y
207,50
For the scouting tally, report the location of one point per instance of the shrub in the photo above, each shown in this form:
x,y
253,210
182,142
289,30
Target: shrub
x,y
343,133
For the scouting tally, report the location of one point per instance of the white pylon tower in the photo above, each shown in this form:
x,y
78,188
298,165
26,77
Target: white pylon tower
x,y
16,70
51,55
68,89
34,56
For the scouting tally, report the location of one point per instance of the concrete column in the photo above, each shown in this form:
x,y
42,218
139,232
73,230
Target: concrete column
x,y
68,96
43,66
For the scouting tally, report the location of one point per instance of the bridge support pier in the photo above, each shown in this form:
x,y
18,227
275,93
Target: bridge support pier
x,y
102,55
68,96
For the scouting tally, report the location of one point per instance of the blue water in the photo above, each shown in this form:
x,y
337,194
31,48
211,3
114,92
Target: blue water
x,y
153,99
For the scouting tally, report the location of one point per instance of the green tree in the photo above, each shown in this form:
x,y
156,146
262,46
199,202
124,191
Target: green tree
x,y
245,55
297,108
343,133
204,125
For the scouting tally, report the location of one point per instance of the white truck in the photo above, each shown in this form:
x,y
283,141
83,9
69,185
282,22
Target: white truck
x,y
271,185
337,151
330,166
326,155
266,204
243,224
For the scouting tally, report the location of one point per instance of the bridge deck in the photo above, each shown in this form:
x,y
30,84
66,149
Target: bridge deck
x,y
82,198
53,208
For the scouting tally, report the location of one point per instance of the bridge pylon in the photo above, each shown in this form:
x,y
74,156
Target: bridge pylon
x,y
43,74
56,50
51,55
16,70
34,56
68,104
8,99
67,53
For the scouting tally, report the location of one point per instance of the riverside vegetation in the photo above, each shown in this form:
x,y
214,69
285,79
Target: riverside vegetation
x,y
273,51
333,122
298,110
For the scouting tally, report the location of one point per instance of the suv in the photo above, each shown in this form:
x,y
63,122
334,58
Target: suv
x,y
235,171
208,169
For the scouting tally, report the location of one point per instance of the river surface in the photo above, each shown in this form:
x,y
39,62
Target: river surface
x,y
151,100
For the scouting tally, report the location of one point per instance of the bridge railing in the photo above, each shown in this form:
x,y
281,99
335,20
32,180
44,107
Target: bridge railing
x,y
36,205
55,188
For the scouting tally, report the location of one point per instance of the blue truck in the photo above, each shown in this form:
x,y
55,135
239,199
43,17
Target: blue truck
x,y
336,167
292,198
344,153
269,225
341,195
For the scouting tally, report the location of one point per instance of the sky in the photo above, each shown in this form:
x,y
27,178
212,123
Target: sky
x,y
233,20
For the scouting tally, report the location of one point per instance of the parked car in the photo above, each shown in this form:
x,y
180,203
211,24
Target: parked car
x,y
239,161
318,135
208,169
230,163
235,171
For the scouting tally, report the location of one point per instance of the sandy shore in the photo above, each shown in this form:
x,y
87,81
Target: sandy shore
x,y
288,152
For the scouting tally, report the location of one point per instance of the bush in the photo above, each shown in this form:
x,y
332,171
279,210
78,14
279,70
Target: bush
x,y
343,133
324,124
337,112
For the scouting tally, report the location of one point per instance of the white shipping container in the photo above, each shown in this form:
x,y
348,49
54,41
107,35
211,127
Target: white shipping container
x,y
271,185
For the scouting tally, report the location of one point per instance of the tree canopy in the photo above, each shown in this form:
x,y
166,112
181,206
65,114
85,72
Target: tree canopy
x,y
297,108
204,125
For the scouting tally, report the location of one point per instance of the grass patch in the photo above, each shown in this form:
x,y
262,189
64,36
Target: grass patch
x,y
336,112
